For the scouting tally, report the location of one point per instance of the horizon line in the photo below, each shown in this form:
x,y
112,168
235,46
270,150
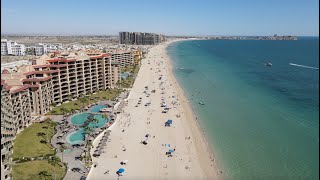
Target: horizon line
x,y
67,34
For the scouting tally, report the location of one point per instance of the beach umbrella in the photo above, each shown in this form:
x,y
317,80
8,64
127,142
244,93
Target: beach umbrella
x,y
171,150
169,121
121,170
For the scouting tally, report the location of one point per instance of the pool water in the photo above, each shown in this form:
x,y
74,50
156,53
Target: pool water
x,y
125,75
67,150
97,108
77,137
79,119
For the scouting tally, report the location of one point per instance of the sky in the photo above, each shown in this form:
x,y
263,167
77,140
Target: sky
x,y
169,17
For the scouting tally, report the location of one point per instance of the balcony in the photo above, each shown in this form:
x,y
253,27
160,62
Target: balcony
x,y
72,75
4,151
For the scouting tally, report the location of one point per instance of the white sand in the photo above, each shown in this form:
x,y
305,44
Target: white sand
x,y
192,158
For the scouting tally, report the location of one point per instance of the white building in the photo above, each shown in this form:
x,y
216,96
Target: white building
x,y
41,49
12,48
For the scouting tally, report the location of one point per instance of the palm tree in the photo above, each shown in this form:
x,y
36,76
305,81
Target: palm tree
x,y
42,134
64,111
95,120
49,129
44,174
86,131
62,148
53,160
69,97
83,101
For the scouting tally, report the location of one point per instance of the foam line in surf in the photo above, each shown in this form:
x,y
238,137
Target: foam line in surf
x,y
299,65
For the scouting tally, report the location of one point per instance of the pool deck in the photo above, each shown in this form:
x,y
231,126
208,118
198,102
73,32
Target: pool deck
x,y
70,157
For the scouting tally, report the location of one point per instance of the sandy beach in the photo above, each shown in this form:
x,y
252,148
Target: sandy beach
x,y
191,157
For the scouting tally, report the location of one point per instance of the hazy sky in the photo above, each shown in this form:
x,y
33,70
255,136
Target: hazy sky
x,y
170,17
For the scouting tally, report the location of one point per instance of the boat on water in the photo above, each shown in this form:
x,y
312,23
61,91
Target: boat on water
x,y
268,64
201,103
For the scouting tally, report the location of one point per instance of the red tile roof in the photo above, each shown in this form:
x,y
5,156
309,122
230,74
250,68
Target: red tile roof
x,y
61,60
41,72
24,87
37,79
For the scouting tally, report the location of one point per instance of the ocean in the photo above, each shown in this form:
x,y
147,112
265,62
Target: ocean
x,y
262,121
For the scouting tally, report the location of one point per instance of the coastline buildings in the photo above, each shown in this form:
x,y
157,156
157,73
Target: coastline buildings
x,y
33,89
12,48
140,38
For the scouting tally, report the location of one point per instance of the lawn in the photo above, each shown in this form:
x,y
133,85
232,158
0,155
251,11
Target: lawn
x,y
133,70
28,142
92,98
31,170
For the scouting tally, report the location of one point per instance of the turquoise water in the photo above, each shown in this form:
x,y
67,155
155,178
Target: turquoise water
x,y
124,75
67,150
262,122
79,119
97,108
76,137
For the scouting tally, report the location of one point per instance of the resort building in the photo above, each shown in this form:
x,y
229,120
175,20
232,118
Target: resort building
x,y
12,48
33,89
15,115
124,58
140,38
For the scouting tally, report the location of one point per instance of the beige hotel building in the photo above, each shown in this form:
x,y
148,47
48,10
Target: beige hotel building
x,y
33,89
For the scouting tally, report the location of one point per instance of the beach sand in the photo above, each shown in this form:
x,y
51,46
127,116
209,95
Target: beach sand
x,y
192,158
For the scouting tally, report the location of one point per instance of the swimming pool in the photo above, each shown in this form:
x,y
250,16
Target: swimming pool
x,y
125,75
76,137
67,150
79,119
97,108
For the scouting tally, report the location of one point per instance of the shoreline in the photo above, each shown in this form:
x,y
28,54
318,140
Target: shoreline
x,y
189,108
191,157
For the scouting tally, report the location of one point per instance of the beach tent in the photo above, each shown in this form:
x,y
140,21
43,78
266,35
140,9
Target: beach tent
x,y
121,170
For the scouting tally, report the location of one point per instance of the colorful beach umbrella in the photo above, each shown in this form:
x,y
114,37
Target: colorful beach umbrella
x,y
121,170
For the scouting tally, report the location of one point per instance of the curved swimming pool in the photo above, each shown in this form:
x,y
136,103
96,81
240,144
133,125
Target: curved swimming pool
x,y
79,119
97,108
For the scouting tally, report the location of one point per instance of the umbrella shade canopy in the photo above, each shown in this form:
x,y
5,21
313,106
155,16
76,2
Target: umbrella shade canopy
x,y
121,170
169,121
171,150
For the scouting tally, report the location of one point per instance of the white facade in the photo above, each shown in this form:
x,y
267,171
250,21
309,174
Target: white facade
x,y
12,48
40,50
